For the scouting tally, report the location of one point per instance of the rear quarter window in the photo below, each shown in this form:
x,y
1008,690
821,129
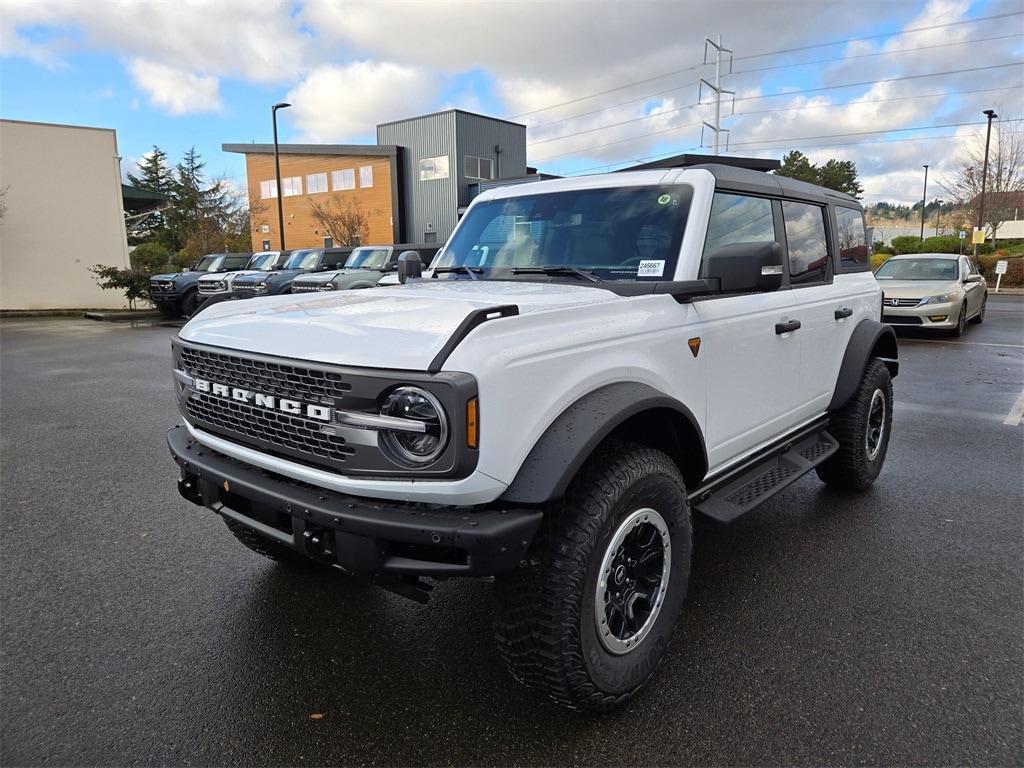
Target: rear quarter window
x,y
854,251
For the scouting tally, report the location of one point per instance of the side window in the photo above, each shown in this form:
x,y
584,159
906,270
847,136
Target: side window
x,y
738,219
808,246
853,242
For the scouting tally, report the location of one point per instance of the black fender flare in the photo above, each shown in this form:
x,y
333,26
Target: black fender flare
x,y
870,339
570,439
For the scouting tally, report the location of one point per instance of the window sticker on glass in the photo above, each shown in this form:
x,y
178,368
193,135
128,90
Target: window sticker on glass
x,y
651,268
665,199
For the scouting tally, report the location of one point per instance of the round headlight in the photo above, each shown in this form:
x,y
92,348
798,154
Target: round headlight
x,y
414,448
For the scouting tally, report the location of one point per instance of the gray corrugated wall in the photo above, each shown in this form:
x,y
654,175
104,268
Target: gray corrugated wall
x,y
455,134
426,202
477,136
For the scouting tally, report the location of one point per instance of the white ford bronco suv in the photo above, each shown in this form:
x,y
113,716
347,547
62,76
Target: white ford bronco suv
x,y
590,362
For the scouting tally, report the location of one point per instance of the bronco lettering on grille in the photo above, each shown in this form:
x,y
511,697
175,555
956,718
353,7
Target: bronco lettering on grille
x,y
271,402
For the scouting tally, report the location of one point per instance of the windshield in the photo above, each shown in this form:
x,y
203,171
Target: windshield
x,y
368,258
263,262
306,259
209,264
624,233
917,269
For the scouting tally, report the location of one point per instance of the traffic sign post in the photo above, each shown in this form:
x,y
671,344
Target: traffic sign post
x,y
1000,271
963,236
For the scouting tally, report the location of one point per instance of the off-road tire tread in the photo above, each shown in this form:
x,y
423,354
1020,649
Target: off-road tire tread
x,y
535,612
264,546
848,468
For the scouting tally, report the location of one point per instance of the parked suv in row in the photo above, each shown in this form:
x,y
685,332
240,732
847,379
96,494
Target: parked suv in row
x,y
177,293
590,362
280,280
364,268
217,287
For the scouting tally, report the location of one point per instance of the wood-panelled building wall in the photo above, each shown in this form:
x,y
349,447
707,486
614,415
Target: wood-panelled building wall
x,y
318,173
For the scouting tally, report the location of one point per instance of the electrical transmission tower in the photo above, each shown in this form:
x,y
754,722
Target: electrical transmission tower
x,y
718,90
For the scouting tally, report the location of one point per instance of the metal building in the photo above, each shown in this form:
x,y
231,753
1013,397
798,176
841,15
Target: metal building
x,y
445,153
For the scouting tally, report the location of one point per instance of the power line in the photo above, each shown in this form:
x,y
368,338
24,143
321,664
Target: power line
x,y
768,96
760,55
878,53
758,112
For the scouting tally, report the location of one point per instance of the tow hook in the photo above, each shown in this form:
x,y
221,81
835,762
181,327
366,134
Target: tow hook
x,y
318,542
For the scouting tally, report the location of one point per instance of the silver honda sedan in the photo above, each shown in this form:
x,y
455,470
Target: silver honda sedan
x,y
932,290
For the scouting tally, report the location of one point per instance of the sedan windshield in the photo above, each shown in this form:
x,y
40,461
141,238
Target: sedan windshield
x,y
623,233
263,262
209,264
368,258
918,269
306,259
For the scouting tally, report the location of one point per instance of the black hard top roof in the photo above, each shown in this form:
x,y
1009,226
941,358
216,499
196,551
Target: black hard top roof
x,y
757,182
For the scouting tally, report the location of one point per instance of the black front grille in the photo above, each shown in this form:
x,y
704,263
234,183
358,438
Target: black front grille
x,y
309,385
280,429
902,320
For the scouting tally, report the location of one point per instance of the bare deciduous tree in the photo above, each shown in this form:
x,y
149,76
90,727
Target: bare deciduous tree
x,y
1005,176
344,221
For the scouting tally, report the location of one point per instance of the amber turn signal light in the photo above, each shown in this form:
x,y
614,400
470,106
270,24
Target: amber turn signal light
x,y
472,424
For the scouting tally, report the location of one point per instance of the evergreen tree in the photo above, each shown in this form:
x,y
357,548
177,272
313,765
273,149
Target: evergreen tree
x,y
795,165
155,176
840,175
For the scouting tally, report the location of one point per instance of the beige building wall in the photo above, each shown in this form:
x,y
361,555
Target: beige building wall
x,y
63,215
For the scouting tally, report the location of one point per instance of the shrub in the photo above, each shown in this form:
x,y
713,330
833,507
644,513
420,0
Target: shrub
x,y
150,257
941,244
134,282
906,244
182,260
880,247
878,259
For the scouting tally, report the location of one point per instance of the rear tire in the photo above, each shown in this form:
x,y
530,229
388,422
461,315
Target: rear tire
x,y
587,618
277,552
862,427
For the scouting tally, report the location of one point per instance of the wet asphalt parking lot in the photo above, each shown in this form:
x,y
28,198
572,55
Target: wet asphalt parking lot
x,y
823,628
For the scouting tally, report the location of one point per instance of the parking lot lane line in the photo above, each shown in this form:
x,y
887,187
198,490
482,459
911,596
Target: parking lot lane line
x,y
1016,413
966,343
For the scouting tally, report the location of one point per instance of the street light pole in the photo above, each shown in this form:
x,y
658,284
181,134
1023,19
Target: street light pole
x,y
277,169
924,199
991,115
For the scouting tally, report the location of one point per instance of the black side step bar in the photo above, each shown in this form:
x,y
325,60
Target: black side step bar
x,y
765,477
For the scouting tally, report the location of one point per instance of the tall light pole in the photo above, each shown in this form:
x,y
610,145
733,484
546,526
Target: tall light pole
x,y
924,199
991,115
277,169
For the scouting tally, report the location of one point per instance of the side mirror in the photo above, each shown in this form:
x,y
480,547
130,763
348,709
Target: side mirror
x,y
973,279
409,265
746,267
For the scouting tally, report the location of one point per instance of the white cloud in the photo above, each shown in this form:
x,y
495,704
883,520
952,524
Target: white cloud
x,y
338,103
177,91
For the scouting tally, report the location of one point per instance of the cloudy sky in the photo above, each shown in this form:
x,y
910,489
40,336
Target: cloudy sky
x,y
600,85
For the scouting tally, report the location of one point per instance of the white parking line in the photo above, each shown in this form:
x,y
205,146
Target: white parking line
x,y
1016,413
967,343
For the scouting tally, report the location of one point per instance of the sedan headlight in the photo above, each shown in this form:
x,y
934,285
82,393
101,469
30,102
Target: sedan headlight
x,y
942,298
427,437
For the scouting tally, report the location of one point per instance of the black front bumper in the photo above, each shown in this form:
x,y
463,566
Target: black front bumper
x,y
364,537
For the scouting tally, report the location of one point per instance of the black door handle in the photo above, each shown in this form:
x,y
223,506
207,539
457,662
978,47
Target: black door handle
x,y
792,325
844,312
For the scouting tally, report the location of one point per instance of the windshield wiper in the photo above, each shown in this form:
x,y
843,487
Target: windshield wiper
x,y
471,271
563,270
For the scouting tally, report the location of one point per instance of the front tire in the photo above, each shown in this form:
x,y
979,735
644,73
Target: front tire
x,y
862,428
588,617
190,303
979,318
961,321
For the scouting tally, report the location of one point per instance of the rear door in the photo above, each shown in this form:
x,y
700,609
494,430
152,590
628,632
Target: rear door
x,y
754,391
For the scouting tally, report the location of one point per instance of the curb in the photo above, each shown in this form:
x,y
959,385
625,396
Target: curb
x,y
122,316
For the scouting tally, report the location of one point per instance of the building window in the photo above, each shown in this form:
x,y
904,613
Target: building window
x,y
266,245
268,189
292,186
366,176
430,237
265,229
328,242
344,179
316,182
480,168
434,168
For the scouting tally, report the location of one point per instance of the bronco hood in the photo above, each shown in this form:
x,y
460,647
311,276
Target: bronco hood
x,y
401,327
